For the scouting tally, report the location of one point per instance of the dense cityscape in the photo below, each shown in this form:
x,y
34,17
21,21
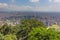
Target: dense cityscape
x,y
15,17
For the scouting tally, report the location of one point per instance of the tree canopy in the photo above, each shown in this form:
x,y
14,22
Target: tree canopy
x,y
28,30
43,34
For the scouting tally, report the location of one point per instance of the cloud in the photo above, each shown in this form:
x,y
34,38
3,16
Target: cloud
x,y
57,1
34,0
19,8
13,0
36,8
50,0
14,7
30,8
54,1
55,7
3,5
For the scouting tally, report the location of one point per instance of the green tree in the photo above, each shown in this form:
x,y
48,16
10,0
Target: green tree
x,y
26,26
1,36
43,34
5,29
10,37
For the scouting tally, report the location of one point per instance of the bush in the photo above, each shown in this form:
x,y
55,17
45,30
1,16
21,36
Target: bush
x,y
43,34
10,37
1,36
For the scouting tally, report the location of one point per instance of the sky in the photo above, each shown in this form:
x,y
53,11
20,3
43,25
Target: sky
x,y
30,5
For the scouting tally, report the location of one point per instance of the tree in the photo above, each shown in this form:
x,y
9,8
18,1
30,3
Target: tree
x,y
43,34
10,37
55,27
26,26
5,29
1,36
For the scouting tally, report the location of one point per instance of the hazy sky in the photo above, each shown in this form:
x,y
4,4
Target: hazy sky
x,y
30,5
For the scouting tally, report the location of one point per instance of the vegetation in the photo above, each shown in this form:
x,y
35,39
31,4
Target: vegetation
x,y
43,34
28,30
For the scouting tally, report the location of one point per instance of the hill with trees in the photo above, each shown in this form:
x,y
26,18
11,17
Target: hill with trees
x,y
28,30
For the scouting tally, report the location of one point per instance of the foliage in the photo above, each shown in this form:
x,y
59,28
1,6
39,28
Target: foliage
x,y
28,30
43,34
27,25
1,36
10,37
5,29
